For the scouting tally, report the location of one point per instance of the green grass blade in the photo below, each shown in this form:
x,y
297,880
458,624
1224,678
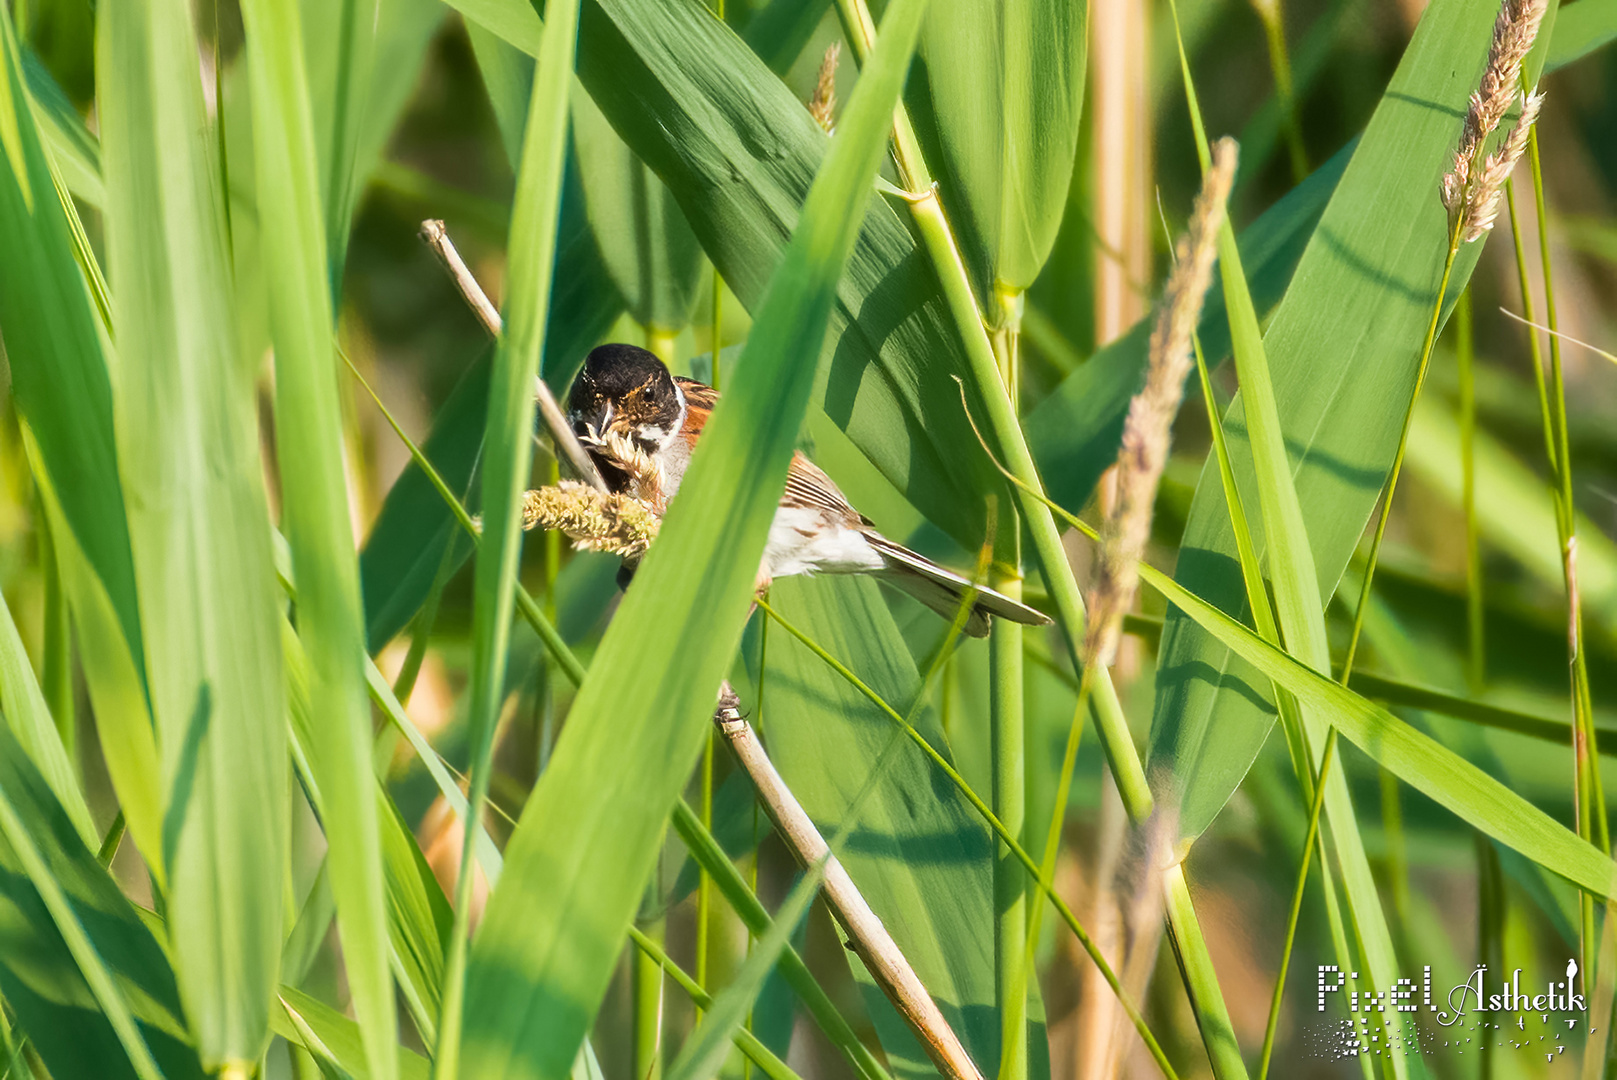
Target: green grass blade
x,y
1579,31
23,705
704,1053
1417,759
543,955
74,149
315,515
199,520
996,97
332,1038
89,985
1075,431
59,378
339,76
507,455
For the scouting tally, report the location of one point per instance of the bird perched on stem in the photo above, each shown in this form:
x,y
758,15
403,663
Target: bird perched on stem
x,y
640,423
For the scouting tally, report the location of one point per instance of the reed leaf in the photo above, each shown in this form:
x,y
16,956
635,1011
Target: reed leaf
x,y
200,525
996,97
308,430
23,705
543,954
333,1039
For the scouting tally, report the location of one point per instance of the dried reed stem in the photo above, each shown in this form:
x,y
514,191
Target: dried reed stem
x,y
823,105
1151,413
1470,190
436,237
866,934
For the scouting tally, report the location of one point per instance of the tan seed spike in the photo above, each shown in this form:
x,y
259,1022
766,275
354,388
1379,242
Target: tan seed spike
x,y
823,105
1470,190
1151,413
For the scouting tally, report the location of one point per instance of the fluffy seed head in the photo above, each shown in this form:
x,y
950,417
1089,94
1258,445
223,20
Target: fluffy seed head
x,y
1470,190
823,105
1151,413
592,520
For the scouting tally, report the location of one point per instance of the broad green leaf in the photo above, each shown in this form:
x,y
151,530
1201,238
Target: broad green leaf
x,y
308,429
23,706
187,430
1581,29
1366,281
1420,761
1075,431
648,248
738,152
996,97
543,955
71,946
920,854
333,1039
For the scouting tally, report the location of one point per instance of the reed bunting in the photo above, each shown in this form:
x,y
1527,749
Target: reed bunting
x,y
640,423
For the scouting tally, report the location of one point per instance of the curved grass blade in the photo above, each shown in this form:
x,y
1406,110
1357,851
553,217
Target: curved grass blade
x,y
544,953
23,706
315,513
1365,280
90,986
332,1038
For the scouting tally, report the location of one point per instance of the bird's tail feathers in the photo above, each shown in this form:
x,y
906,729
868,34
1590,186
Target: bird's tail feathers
x,y
943,590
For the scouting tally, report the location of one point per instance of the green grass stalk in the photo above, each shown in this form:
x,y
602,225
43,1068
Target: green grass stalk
x,y
1465,355
1588,751
755,1052
1363,606
1274,32
1008,762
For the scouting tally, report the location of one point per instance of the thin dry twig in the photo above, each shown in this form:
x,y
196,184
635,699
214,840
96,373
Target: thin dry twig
x,y
866,934
436,237
1151,413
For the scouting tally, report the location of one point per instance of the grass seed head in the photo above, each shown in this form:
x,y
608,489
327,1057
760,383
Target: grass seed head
x,y
1151,413
1470,190
593,520
823,105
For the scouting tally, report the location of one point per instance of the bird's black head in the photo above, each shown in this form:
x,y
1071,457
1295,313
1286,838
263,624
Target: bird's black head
x,y
627,389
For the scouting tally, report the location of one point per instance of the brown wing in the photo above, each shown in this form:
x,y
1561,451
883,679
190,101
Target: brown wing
x,y
699,401
808,486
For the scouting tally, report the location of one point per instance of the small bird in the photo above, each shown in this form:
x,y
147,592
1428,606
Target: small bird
x,y
640,423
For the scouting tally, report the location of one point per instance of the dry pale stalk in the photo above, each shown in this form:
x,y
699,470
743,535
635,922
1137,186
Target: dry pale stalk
x,y
1471,188
823,105
866,934
1151,413
436,237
